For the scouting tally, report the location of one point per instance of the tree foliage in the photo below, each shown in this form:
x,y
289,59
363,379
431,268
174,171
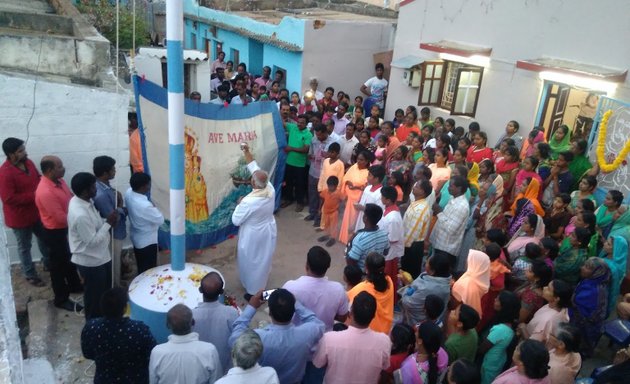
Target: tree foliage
x,y
102,14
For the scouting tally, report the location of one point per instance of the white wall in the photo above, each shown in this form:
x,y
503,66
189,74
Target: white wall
x,y
340,54
581,31
76,123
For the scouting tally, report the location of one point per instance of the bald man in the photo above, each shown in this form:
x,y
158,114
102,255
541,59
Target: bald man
x,y
52,198
258,232
183,358
213,320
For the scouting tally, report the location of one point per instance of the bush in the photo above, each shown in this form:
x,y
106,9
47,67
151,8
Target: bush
x,y
102,14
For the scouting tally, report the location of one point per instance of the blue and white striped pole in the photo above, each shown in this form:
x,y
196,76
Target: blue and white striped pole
x,y
175,65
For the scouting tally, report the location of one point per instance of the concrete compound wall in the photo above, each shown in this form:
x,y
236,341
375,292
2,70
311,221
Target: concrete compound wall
x,y
580,31
76,123
340,53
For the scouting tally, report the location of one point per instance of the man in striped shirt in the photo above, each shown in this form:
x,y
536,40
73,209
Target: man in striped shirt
x,y
416,223
369,239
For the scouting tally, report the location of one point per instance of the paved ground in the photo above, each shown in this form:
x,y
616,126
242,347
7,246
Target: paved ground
x,y
295,237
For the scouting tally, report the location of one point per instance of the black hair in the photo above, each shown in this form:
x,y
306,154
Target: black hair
x,y
139,180
332,181
589,218
344,105
398,177
431,336
464,153
399,110
404,150
114,302
535,358
379,66
532,220
318,260
10,145
590,180
440,265
334,147
544,149
493,250
458,131
563,291
581,145
81,182
338,327
403,339
474,126
353,274
430,154
512,152
373,213
281,305
583,237
566,199
570,335
462,170
433,306
444,152
617,196
509,141
460,182
532,251
510,308
515,124
426,187
223,88
468,316
464,371
534,161
102,165
369,156
533,133
567,155
425,111
441,120
378,171
363,308
450,122
497,235
375,266
46,164
588,205
390,193
446,139
542,271
330,89
242,65
551,246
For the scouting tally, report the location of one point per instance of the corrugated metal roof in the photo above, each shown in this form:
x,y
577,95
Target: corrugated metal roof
x,y
160,53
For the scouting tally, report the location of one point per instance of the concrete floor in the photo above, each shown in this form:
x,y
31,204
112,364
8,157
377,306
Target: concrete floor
x,y
295,237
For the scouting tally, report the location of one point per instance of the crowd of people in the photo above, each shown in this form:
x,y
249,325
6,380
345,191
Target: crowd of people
x,y
465,262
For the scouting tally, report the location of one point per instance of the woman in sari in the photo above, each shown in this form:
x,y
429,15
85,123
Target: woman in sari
x,y
567,265
560,141
398,162
473,178
491,210
542,152
605,213
474,283
525,203
459,158
528,171
590,302
531,231
580,164
479,151
486,168
354,181
615,254
534,137
441,172
507,167
585,189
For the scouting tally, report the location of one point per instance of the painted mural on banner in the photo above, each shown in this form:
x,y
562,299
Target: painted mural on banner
x,y
216,175
617,135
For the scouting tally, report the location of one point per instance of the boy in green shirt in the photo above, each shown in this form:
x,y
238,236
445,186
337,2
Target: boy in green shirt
x,y
462,343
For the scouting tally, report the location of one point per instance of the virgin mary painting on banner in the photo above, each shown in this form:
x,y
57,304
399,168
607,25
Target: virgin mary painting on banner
x,y
215,175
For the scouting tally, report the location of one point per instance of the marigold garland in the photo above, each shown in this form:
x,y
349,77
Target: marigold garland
x,y
601,144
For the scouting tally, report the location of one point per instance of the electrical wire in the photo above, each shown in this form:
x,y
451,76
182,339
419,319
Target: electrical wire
x,y
30,118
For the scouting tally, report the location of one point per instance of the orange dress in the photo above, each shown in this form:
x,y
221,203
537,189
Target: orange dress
x,y
335,169
384,317
135,151
358,177
330,211
531,194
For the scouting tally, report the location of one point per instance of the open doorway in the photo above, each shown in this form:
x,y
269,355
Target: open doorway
x,y
562,104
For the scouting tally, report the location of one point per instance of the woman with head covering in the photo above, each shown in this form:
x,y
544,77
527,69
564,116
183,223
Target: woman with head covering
x,y
535,136
526,202
615,254
621,228
475,282
531,231
528,170
560,141
590,302
567,265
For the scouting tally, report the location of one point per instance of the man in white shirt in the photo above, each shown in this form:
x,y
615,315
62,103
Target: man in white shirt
x,y
145,220
213,319
347,143
340,119
88,237
416,224
217,81
183,358
392,223
449,228
245,355
375,88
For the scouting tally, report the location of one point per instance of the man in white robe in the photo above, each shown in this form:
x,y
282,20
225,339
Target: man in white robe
x,y
257,233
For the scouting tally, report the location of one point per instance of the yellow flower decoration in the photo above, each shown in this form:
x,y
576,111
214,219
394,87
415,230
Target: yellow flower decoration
x,y
601,144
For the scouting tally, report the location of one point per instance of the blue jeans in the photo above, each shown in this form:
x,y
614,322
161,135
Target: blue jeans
x,y
24,237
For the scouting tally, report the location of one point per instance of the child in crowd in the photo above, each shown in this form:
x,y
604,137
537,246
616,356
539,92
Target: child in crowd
x,y
331,198
331,166
462,341
375,112
329,111
550,250
557,217
399,117
523,263
373,127
392,223
415,154
538,276
397,180
371,194
434,308
403,345
274,92
425,116
352,275
458,134
381,145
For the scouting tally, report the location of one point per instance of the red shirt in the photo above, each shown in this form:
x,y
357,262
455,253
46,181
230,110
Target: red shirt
x,y
52,202
17,191
477,155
